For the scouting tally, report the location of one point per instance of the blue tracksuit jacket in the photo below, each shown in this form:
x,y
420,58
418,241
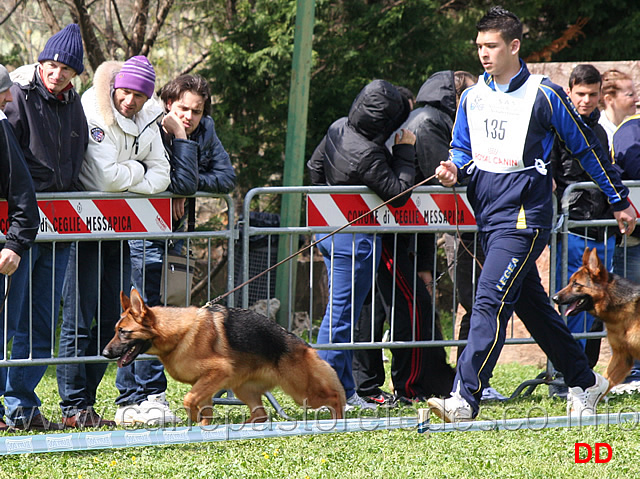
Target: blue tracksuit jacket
x,y
503,200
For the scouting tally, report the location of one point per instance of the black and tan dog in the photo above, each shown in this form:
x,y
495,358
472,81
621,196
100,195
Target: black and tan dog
x,y
616,301
214,348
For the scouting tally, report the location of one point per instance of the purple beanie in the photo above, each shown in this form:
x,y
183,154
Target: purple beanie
x,y
137,74
65,47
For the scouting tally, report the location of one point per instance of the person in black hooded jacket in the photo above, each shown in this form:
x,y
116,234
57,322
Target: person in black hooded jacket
x,y
417,373
353,153
433,124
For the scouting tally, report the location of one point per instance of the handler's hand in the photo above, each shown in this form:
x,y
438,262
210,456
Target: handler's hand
x,y
447,173
9,261
626,220
427,279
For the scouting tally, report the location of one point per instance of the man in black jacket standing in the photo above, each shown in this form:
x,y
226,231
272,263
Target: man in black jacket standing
x,y
51,128
23,219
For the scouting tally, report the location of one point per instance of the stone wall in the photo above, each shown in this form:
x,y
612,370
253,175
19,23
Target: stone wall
x,y
559,72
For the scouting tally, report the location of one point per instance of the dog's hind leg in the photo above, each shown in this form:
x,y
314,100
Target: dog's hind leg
x,y
252,397
618,368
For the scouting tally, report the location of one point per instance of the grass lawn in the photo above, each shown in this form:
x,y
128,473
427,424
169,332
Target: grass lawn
x,y
385,454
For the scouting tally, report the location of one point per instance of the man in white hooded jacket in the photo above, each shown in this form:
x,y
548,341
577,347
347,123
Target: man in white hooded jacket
x,y
125,153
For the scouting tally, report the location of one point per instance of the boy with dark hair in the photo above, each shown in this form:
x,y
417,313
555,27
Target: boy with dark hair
x,y
199,162
502,139
585,85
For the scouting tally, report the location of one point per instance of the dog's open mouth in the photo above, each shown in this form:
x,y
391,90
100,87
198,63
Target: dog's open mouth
x,y
132,353
583,303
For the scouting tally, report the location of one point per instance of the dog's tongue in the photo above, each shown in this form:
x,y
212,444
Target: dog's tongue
x,y
129,356
570,308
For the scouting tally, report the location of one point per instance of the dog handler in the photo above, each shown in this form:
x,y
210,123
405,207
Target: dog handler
x,y
502,138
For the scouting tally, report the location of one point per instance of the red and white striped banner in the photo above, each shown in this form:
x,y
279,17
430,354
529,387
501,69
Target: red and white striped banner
x,y
422,209
108,216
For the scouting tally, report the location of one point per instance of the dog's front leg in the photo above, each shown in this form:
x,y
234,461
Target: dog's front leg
x,y
618,368
198,401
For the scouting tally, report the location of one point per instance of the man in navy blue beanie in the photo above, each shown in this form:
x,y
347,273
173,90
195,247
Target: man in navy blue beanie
x,y
51,128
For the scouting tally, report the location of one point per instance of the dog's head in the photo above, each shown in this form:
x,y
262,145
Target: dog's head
x,y
134,331
586,286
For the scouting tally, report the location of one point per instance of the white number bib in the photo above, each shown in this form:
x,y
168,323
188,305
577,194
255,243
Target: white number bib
x,y
498,125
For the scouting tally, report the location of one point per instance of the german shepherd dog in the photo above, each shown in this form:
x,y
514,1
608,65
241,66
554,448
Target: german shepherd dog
x,y
214,348
616,301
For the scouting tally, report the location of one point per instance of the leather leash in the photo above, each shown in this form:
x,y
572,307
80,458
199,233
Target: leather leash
x,y
312,244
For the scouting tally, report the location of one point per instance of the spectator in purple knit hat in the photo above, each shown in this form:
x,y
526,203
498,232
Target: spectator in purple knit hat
x,y
125,153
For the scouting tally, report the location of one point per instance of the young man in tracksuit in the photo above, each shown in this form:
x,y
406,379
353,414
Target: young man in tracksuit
x,y
502,138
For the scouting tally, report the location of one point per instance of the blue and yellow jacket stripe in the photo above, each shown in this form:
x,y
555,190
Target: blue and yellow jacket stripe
x,y
523,199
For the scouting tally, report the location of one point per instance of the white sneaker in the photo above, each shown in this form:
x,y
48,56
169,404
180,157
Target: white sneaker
x,y
581,402
154,411
125,415
453,409
356,401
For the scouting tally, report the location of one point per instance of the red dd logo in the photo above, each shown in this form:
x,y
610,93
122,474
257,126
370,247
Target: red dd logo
x,y
599,458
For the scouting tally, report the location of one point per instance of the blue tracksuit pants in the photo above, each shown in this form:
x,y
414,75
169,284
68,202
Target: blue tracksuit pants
x,y
510,281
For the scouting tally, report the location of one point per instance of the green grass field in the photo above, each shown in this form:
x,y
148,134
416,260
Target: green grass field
x,y
385,454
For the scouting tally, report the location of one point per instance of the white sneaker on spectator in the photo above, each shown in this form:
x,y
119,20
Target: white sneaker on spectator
x,y
154,411
453,409
125,415
582,402
355,401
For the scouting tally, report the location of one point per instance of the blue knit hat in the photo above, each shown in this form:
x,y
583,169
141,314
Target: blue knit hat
x,y
137,74
65,47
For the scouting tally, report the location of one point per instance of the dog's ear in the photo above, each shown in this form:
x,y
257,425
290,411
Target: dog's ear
x,y
585,256
124,301
137,304
595,266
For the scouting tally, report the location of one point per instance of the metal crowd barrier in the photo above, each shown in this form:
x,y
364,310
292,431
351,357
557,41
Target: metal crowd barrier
x,y
427,212
250,243
75,218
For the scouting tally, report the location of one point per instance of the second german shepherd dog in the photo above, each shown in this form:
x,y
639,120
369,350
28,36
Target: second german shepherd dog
x,y
616,301
214,348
